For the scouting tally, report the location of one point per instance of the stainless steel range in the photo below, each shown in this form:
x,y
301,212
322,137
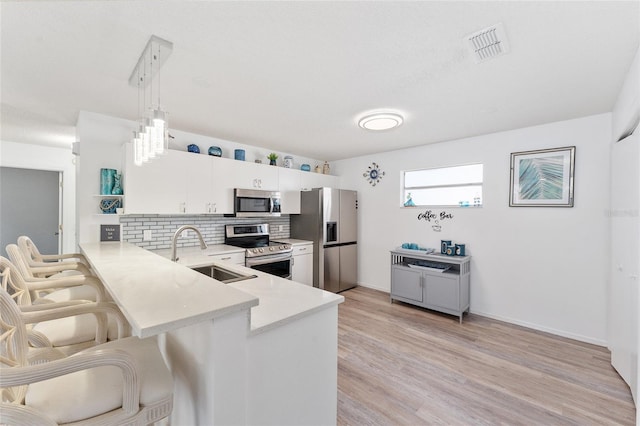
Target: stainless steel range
x,y
261,254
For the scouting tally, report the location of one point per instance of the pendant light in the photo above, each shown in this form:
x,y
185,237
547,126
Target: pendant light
x,y
152,137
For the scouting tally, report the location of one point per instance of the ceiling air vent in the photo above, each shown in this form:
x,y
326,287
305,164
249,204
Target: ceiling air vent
x,y
488,43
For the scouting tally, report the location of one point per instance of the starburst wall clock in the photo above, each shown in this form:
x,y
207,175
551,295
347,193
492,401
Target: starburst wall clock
x,y
373,174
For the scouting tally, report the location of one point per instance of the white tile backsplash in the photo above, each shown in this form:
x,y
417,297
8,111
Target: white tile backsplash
x,y
212,228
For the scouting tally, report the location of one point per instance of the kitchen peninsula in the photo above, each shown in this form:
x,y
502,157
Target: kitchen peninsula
x,y
262,350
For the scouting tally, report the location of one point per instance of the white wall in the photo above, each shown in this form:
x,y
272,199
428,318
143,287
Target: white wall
x,y
101,138
545,268
27,156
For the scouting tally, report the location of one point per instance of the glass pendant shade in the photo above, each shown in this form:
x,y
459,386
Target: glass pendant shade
x,y
161,134
144,143
151,135
137,149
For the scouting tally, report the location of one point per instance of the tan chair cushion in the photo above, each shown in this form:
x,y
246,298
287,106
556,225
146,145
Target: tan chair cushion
x,y
81,292
89,393
74,330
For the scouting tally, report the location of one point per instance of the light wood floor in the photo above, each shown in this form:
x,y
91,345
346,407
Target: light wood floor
x,y
402,365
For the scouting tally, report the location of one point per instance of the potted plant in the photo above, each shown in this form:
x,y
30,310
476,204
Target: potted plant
x,y
272,158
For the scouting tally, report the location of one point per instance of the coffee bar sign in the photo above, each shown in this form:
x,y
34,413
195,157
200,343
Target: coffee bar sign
x,y
109,232
435,218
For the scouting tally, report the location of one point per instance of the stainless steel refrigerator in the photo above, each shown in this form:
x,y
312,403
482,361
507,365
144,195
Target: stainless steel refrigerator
x,y
328,218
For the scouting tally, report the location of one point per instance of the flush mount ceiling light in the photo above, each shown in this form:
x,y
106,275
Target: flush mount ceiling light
x,y
152,137
380,121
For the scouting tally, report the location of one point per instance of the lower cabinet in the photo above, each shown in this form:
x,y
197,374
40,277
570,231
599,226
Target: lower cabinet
x,y
235,258
302,268
412,281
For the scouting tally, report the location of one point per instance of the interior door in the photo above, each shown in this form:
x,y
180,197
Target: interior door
x,y
625,259
30,206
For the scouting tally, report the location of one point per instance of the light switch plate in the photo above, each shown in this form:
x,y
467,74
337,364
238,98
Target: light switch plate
x,y
147,235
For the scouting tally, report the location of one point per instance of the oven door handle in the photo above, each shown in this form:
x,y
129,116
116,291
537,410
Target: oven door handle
x,y
250,261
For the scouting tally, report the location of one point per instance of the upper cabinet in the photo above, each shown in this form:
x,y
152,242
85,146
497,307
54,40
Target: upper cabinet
x,y
246,175
182,182
177,182
157,186
289,186
292,181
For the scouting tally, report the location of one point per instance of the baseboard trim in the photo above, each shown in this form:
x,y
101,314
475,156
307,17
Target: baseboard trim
x,y
533,326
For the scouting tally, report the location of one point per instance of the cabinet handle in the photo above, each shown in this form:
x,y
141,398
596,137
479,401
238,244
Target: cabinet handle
x,y
215,208
183,207
301,249
225,258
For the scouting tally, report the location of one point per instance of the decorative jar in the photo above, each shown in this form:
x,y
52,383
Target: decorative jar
x,y
107,180
117,184
215,151
444,245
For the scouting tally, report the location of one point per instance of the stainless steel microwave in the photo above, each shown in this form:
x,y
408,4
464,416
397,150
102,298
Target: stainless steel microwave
x,y
256,203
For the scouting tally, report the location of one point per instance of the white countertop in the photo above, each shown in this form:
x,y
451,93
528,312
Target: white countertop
x,y
157,295
194,257
280,301
283,301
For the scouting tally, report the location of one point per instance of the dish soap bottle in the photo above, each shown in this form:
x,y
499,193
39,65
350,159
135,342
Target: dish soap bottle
x,y
325,168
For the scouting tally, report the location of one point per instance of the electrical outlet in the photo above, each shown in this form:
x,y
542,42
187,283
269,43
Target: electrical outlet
x,y
280,228
147,235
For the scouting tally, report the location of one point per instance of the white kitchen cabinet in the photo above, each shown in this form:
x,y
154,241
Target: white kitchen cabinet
x,y
184,182
235,258
176,182
221,186
157,186
199,170
302,268
292,181
289,186
246,175
310,180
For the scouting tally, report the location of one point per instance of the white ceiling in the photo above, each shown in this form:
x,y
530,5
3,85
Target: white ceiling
x,y
295,76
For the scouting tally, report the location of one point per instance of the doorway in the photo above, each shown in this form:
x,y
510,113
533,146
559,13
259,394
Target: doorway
x,y
30,205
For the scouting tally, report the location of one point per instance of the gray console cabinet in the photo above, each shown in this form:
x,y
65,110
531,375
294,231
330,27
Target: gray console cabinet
x,y
446,292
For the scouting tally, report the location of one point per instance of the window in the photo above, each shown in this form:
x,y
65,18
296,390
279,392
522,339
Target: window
x,y
459,186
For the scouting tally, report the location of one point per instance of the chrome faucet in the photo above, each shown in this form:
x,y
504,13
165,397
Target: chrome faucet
x,y
203,245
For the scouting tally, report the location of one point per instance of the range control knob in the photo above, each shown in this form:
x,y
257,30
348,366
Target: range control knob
x,y
271,248
255,250
260,250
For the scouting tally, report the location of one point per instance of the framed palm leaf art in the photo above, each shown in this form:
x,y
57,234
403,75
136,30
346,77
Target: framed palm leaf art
x,y
542,178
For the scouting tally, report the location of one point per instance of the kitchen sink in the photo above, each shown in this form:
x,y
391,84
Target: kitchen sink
x,y
224,275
